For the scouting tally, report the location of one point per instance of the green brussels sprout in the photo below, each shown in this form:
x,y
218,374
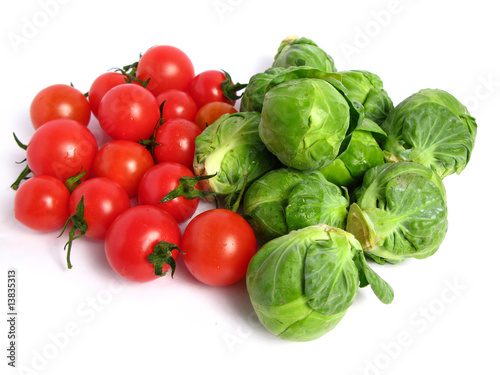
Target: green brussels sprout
x,y
362,153
253,96
431,128
295,51
400,212
286,199
306,116
231,150
367,88
302,284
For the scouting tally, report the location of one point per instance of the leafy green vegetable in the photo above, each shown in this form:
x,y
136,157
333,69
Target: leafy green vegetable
x,y
367,88
295,51
400,212
253,96
431,128
306,116
362,153
302,284
231,150
286,199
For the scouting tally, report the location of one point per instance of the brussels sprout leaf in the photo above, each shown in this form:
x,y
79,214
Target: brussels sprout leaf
x,y
380,287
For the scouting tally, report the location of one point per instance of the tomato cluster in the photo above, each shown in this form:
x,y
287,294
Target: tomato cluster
x,y
134,191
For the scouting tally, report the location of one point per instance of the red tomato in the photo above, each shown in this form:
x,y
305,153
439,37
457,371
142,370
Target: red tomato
x,y
101,86
210,112
206,88
177,104
132,237
128,112
61,148
175,142
166,67
218,245
124,162
161,180
41,203
103,199
59,101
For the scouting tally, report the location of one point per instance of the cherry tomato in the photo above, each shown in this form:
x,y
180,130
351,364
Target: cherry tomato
x,y
175,142
206,88
59,101
128,112
177,104
166,67
41,203
101,85
218,245
161,180
61,148
132,237
124,162
103,199
210,112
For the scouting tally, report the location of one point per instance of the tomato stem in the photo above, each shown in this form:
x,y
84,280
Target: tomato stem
x,y
151,143
73,181
79,224
23,176
162,254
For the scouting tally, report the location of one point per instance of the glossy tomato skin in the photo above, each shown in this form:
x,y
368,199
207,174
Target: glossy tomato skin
x,y
218,244
59,101
166,67
206,87
210,112
177,104
124,162
101,85
61,148
161,180
128,112
176,142
41,203
104,199
133,236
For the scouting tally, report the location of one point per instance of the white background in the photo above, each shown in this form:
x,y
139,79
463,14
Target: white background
x,y
443,320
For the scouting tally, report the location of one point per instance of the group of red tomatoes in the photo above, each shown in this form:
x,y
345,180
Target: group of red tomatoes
x,y
151,112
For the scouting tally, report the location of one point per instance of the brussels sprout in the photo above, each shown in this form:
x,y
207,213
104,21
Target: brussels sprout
x,y
400,212
367,88
286,199
301,284
362,153
253,96
306,115
431,128
295,51
231,150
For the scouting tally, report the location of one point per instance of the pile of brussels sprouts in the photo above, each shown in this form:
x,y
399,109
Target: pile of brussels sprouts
x,y
332,174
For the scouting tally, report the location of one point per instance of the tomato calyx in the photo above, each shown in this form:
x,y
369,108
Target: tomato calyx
x,y
24,175
79,224
130,74
162,254
187,188
230,89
